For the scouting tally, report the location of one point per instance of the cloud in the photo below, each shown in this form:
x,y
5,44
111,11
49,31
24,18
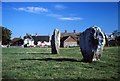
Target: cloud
x,y
58,6
32,9
61,17
54,15
41,10
70,18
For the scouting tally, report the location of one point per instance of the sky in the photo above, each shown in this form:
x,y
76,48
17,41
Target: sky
x,y
43,17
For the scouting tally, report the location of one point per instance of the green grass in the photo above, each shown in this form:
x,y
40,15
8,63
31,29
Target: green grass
x,y
39,63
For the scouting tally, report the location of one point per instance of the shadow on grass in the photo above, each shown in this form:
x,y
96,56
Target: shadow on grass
x,y
60,79
55,59
29,53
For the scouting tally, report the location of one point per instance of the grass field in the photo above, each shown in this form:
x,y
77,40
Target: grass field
x,y
39,63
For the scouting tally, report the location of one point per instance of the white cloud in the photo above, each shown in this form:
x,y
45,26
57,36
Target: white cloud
x,y
61,17
32,9
70,18
58,6
54,15
41,9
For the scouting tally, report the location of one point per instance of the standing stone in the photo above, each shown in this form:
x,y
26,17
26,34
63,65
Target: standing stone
x,y
92,41
55,42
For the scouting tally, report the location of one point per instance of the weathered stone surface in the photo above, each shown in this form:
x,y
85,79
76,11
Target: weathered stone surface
x,y
92,41
55,42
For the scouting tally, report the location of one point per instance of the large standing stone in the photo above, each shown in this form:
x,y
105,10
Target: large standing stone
x,y
92,41
55,42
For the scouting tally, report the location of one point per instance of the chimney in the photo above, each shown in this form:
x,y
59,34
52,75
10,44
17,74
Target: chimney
x,y
27,34
20,37
65,31
35,34
74,31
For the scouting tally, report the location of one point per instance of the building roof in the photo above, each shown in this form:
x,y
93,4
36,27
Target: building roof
x,y
41,38
63,38
75,35
70,34
66,37
28,36
16,39
37,38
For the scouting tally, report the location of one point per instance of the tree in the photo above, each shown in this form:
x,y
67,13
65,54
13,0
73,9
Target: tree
x,y
0,33
6,35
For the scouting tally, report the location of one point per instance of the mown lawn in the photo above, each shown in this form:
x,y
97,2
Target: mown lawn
x,y
39,63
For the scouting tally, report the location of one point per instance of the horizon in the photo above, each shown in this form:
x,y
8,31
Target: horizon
x,y
43,17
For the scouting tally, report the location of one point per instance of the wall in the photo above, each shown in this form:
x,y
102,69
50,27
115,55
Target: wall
x,y
70,44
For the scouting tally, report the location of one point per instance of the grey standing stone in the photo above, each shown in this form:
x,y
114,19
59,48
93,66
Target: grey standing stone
x,y
92,41
55,42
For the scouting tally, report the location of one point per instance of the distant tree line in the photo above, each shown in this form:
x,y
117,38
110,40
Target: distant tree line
x,y
5,35
0,33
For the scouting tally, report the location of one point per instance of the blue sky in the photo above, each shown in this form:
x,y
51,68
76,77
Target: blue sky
x,y
43,17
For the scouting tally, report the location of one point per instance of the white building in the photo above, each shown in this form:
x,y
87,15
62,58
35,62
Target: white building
x,y
32,41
